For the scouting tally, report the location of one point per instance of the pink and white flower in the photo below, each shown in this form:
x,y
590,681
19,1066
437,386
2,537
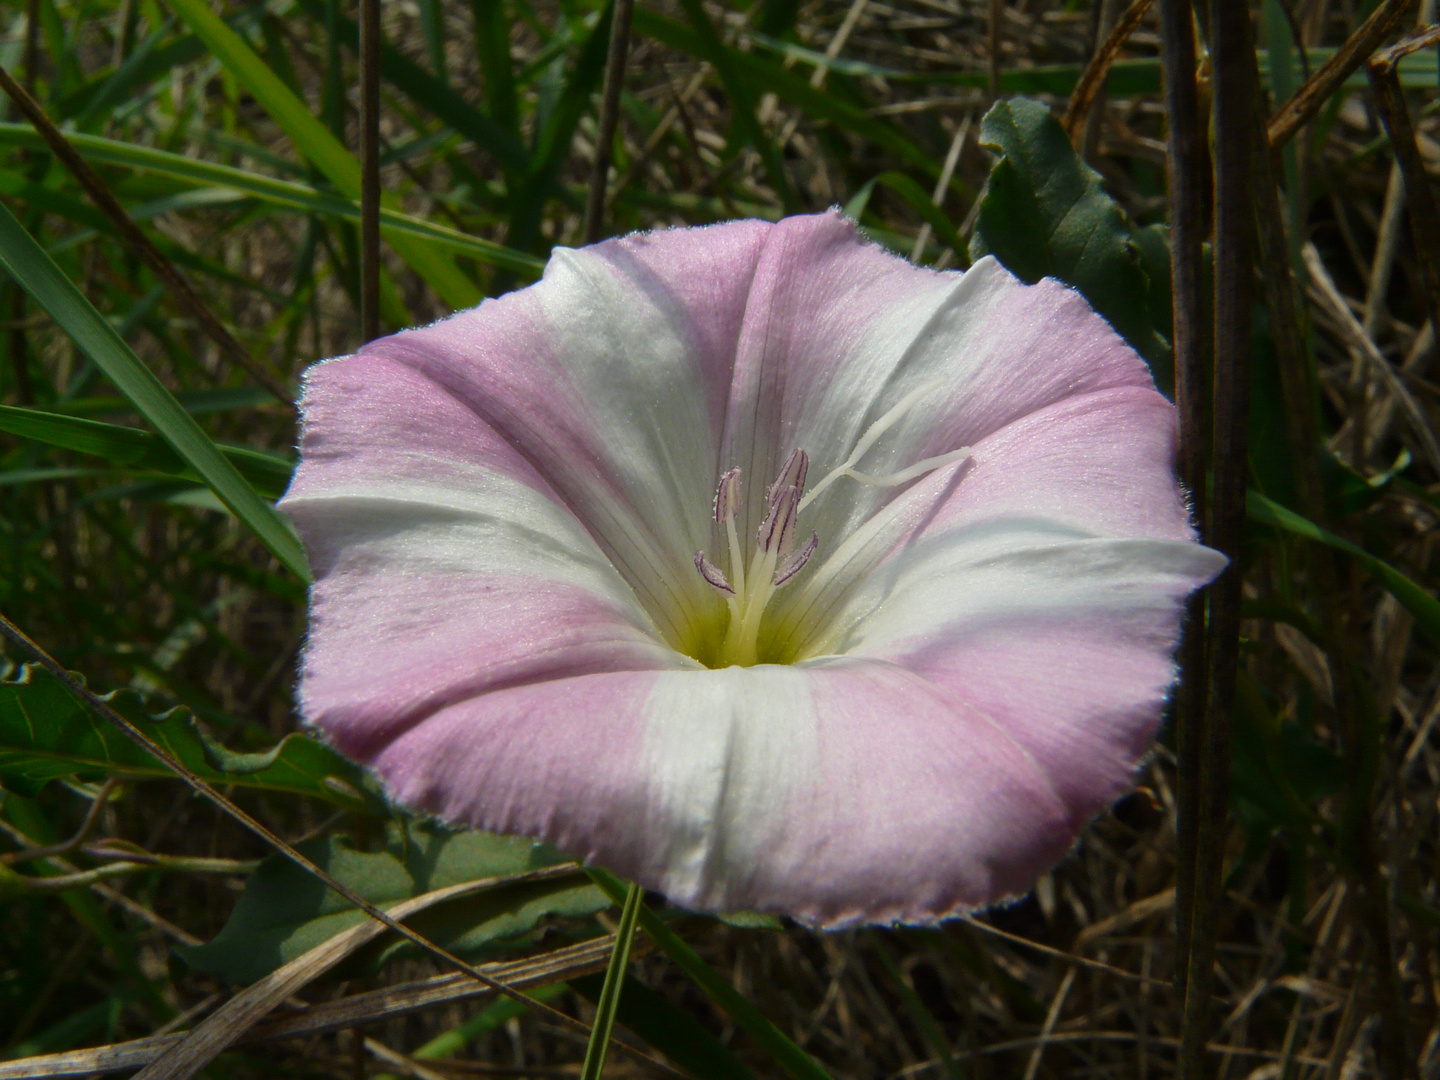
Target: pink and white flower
x,y
886,678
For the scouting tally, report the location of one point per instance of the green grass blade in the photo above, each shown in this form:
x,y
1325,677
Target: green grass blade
x,y
917,199
1412,597
792,1059
268,474
609,1003
38,275
557,132
492,44
742,101
669,1028
435,96
285,193
315,143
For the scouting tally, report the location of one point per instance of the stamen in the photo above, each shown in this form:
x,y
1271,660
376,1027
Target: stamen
x,y
777,532
793,565
727,496
712,574
772,564
792,474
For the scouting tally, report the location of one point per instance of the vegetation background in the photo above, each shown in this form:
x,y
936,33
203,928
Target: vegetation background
x,y
232,136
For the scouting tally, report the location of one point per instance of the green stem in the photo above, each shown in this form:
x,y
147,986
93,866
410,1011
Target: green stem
x,y
609,1002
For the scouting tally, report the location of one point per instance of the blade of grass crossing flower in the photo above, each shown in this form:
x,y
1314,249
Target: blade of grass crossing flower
x,y
38,275
609,1002
315,142
792,1059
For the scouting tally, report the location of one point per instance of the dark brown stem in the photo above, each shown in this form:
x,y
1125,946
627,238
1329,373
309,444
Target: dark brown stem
x,y
159,265
1092,80
1186,162
609,119
369,169
1419,199
1234,105
1317,89
1354,708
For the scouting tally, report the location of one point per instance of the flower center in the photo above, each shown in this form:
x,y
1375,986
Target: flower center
x,y
774,561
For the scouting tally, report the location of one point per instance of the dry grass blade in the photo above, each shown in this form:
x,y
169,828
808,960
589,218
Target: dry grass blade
x,y
1186,168
1424,215
1093,77
1319,88
1232,51
1362,343
1051,1017
230,1022
159,265
1122,920
351,1011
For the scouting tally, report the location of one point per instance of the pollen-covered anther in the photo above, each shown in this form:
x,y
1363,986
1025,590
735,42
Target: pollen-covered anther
x,y
727,496
712,574
795,561
777,531
792,474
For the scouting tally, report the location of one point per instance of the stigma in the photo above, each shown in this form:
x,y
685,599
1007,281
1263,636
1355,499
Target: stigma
x,y
774,560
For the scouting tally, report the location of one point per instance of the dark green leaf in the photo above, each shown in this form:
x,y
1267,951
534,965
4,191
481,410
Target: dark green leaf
x,y
284,911
1046,214
46,733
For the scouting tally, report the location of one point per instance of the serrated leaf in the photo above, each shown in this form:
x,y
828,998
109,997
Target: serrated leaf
x,y
284,912
47,733
1046,214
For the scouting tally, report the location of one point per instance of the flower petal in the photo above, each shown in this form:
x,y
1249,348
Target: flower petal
x,y
609,377
444,565
838,332
841,791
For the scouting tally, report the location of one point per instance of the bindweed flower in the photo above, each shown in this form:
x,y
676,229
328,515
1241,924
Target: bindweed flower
x,y
754,564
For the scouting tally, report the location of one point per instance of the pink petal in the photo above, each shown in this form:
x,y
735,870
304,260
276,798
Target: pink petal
x,y
839,792
444,566
609,378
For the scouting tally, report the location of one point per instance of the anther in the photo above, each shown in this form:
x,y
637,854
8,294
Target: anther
x,y
792,474
727,496
777,531
795,561
712,574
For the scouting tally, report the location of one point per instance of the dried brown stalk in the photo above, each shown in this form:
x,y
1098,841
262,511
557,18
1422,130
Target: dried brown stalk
x,y
1319,88
1092,80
